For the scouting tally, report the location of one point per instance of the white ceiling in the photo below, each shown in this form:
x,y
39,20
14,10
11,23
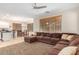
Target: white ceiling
x,y
15,19
26,9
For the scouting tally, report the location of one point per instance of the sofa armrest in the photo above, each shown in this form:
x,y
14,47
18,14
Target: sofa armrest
x,y
75,42
77,52
54,51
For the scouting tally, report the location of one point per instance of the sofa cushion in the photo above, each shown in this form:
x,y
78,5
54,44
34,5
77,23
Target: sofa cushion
x,y
55,35
45,34
46,38
75,42
39,37
39,33
54,40
65,42
43,39
59,46
70,50
57,39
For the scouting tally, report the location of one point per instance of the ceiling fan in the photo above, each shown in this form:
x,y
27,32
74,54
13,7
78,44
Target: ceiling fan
x,y
35,6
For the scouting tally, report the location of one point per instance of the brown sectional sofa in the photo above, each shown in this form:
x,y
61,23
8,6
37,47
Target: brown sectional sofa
x,y
55,39
50,38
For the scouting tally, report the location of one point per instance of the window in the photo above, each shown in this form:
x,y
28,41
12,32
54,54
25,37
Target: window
x,y
51,24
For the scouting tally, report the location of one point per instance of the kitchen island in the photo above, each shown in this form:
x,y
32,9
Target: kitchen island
x,y
6,35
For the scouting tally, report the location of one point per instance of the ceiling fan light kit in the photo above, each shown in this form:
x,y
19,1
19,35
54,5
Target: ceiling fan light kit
x,y
38,7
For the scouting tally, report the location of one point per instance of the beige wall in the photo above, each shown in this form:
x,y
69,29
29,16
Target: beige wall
x,y
69,21
78,20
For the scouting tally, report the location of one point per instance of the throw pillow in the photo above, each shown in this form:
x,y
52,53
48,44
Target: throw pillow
x,y
64,36
70,37
70,50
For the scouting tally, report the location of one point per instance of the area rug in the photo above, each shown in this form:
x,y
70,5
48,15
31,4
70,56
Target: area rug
x,y
24,48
